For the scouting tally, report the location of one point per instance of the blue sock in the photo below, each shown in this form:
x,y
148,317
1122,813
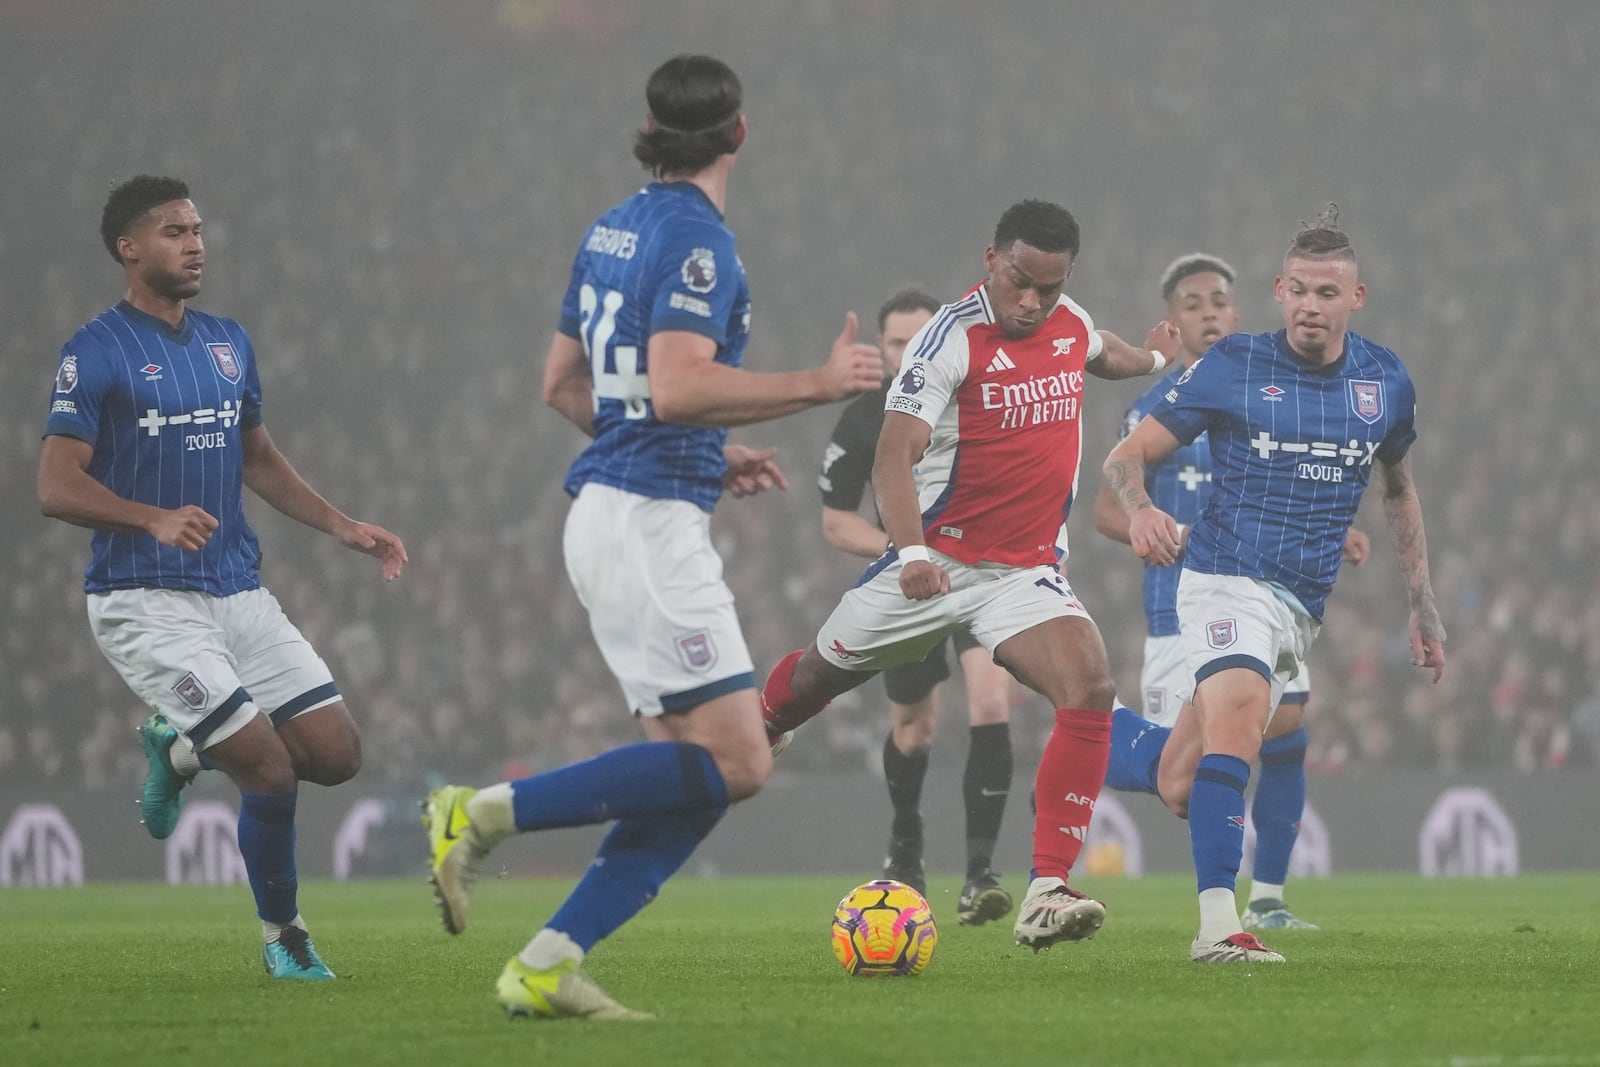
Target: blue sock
x,y
266,841
1136,746
1216,820
1280,799
637,856
632,782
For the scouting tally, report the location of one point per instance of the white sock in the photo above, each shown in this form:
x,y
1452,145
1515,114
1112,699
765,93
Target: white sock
x,y
184,759
1219,915
1264,891
493,817
270,931
548,948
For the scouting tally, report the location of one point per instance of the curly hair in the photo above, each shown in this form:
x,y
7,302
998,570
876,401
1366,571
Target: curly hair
x,y
1040,224
1192,263
129,201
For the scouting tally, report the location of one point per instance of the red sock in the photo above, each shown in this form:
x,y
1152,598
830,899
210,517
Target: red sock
x,y
1070,776
781,710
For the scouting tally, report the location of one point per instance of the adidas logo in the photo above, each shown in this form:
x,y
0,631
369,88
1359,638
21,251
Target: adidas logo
x,y
1001,361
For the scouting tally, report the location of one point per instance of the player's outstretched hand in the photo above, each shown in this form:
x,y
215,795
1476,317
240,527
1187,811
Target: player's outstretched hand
x,y
1155,536
1163,337
1427,641
379,543
923,580
852,367
1357,547
188,527
751,471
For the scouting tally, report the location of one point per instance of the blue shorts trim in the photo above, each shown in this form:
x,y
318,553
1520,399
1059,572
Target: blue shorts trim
x,y
690,699
1226,663
1294,698
202,730
320,695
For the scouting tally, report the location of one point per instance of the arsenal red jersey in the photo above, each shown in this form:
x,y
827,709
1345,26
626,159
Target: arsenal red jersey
x,y
1001,467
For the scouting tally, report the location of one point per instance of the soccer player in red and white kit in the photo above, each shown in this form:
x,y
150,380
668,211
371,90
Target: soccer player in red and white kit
x,y
975,470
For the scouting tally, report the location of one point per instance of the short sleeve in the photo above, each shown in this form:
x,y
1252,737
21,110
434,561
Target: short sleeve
x,y
932,374
571,309
697,281
847,462
1398,441
82,381
250,397
1198,400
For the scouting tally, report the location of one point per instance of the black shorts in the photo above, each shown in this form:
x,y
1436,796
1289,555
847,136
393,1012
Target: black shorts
x,y
911,682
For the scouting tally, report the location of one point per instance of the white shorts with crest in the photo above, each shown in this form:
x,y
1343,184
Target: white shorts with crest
x,y
658,607
1231,621
209,663
1167,680
875,626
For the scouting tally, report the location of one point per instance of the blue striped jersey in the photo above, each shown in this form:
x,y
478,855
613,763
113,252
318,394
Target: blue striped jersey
x,y
661,260
1292,449
1179,485
164,409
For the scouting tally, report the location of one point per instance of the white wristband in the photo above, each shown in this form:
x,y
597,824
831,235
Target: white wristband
x,y
1160,362
1183,528
914,554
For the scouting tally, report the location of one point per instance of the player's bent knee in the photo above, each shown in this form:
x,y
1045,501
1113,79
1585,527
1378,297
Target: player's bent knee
x,y
744,769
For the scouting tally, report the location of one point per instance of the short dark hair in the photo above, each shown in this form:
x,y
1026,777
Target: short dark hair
x,y
694,115
1192,263
911,298
1040,224
1322,239
129,201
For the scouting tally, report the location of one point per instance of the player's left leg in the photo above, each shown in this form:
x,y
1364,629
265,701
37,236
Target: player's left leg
x,y
1232,705
323,744
637,856
1064,659
987,780
1279,802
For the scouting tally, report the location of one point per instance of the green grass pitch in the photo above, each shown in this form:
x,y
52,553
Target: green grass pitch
x,y
1457,973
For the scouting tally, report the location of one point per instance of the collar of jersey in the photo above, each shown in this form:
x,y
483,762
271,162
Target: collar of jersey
x,y
1331,370
179,334
692,190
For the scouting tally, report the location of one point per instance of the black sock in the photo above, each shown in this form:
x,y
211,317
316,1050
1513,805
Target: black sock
x,y
904,773
987,781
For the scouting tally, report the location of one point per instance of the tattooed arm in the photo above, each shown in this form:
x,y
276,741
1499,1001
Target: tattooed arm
x,y
1151,531
1403,511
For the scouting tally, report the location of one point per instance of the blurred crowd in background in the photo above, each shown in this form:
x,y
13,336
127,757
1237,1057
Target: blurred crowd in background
x,y
394,226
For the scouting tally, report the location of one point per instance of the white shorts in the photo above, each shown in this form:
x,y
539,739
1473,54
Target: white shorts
x,y
1230,621
1168,681
876,627
209,663
658,607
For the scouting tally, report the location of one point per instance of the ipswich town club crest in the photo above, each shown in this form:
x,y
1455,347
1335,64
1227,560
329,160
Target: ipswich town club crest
x,y
1366,400
699,652
192,691
1222,633
227,362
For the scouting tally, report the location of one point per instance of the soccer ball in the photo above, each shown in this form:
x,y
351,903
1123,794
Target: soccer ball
x,y
884,929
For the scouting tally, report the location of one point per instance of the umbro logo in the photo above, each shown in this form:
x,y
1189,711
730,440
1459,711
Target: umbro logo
x,y
1001,361
1271,392
151,372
